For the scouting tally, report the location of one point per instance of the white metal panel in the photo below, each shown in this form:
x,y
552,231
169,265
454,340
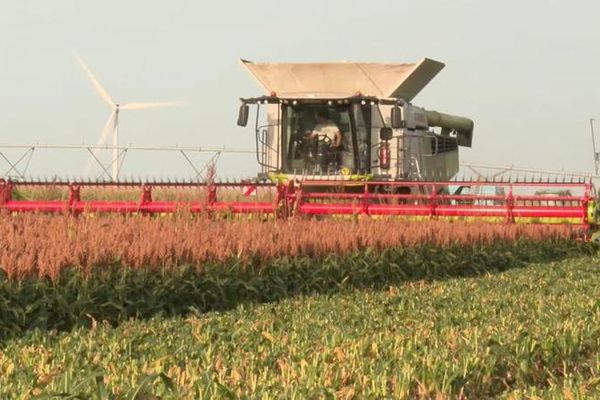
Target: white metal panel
x,y
344,79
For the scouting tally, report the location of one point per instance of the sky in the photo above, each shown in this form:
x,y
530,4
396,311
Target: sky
x,y
527,72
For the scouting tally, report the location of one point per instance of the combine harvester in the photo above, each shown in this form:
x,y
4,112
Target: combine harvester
x,y
345,139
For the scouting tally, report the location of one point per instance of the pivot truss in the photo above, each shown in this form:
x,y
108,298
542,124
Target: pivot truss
x,y
563,202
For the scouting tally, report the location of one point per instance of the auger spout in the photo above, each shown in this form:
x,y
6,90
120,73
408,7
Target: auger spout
x,y
462,125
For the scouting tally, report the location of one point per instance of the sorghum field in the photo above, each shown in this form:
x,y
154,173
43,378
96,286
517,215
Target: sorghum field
x,y
191,307
39,245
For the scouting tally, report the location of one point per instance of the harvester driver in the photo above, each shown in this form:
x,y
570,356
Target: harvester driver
x,y
327,130
329,137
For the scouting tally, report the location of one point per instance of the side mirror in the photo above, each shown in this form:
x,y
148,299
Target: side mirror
x,y
396,117
386,133
243,115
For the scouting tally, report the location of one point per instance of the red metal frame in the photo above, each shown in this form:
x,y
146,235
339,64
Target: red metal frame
x,y
146,204
429,202
315,197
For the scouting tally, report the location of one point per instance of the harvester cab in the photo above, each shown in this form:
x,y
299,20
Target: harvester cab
x,y
352,121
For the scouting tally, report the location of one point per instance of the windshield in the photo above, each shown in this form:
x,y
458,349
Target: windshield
x,y
319,139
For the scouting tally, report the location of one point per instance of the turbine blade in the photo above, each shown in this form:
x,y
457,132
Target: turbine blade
x,y
104,135
142,106
107,129
101,91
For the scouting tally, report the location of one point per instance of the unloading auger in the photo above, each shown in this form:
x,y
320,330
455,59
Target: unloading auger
x,y
339,139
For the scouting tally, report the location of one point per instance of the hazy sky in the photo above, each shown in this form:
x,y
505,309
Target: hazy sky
x,y
527,72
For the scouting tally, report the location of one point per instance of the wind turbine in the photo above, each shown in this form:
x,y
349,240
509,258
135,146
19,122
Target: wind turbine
x,y
112,124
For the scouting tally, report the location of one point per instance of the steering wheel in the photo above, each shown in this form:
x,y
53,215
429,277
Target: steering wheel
x,y
323,139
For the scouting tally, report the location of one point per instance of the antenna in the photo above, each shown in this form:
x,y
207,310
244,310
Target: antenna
x,y
112,125
596,154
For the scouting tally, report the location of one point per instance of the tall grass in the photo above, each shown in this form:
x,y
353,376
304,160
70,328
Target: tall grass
x,y
42,246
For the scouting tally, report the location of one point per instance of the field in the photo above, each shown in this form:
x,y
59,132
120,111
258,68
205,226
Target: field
x,y
193,307
39,245
525,332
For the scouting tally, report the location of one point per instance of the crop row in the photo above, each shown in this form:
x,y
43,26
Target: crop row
x,y
42,246
524,333
114,294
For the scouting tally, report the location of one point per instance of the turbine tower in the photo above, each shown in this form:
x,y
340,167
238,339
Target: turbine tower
x,y
112,124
